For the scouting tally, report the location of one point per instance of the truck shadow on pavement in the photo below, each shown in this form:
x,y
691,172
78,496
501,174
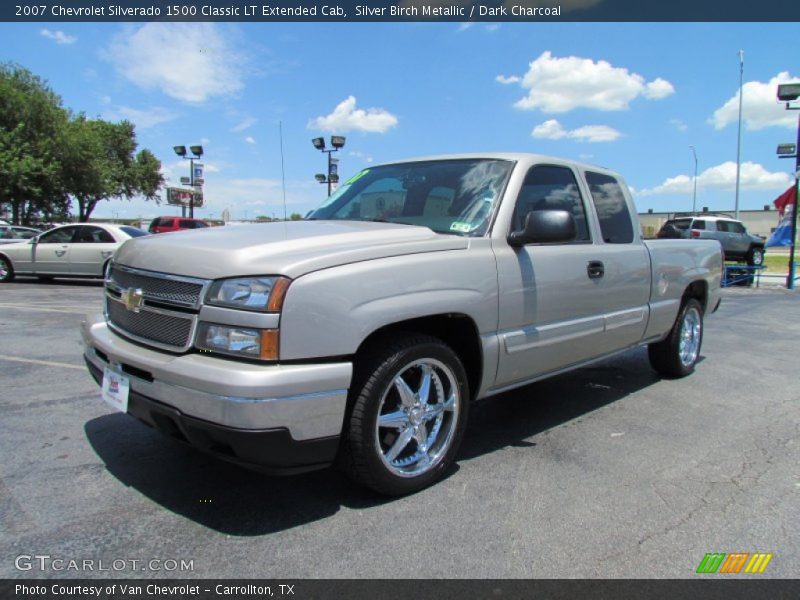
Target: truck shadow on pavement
x,y
236,501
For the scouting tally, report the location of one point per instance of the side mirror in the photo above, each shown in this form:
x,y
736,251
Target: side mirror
x,y
544,226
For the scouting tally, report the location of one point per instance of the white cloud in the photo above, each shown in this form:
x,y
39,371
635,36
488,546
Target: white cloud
x,y
760,107
59,37
507,80
658,89
245,123
346,117
464,26
205,141
143,119
753,176
191,62
679,125
492,27
553,130
365,157
250,139
558,85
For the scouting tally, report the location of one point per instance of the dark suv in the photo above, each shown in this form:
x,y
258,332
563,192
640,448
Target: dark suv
x,y
164,224
737,244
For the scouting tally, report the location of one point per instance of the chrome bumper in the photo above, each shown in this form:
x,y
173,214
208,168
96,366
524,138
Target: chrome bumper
x,y
309,400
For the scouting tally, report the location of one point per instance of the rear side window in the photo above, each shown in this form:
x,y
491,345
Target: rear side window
x,y
552,188
186,224
698,224
616,226
682,224
200,224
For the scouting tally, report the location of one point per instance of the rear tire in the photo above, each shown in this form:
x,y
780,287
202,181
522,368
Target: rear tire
x,y
6,270
677,354
410,404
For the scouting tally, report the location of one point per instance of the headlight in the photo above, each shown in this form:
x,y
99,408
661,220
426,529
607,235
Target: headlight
x,y
259,344
263,294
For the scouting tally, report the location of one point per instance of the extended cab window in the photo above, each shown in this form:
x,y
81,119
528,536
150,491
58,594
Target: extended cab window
x,y
549,187
612,209
698,224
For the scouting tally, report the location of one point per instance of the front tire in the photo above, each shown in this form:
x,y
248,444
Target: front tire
x,y
755,257
6,270
677,354
409,413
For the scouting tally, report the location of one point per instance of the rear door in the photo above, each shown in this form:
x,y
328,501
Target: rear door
x,y
624,288
91,247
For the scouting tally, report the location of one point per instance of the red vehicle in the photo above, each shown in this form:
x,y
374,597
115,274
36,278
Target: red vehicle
x,y
165,224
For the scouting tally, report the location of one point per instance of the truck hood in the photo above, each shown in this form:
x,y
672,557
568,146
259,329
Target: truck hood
x,y
291,248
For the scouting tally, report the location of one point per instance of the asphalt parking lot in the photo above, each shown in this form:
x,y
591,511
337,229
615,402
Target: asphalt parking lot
x,y
606,472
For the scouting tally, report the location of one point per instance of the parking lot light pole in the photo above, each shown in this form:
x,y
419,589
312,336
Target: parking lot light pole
x,y
337,142
788,93
197,152
694,180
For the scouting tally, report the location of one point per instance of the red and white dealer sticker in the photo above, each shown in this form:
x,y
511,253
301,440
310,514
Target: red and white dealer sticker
x,y
115,389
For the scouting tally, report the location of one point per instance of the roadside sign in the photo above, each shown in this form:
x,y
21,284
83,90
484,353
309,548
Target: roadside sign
x,y
183,197
185,180
199,181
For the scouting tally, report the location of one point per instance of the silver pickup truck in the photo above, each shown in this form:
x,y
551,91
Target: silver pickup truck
x,y
362,334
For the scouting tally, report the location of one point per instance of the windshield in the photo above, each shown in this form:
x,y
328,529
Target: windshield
x,y
448,196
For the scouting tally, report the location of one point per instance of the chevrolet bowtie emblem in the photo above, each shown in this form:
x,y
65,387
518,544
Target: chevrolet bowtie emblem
x,y
132,299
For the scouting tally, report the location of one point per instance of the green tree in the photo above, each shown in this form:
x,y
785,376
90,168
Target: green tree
x,y
102,164
31,124
295,217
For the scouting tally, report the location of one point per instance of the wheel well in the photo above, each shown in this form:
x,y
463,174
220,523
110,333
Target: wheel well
x,y
699,291
456,330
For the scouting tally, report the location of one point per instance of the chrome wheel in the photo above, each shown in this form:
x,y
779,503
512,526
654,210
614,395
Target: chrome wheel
x,y
756,257
690,336
417,417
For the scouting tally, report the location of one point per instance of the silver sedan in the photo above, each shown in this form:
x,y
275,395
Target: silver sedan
x,y
81,250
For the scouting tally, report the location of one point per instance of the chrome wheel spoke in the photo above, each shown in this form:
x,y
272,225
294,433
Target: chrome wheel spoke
x,y
404,391
400,444
425,385
394,420
421,437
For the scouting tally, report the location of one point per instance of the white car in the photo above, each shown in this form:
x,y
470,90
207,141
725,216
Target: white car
x,y
81,250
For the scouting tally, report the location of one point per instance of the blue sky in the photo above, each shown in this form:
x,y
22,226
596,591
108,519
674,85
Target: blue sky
x,y
631,97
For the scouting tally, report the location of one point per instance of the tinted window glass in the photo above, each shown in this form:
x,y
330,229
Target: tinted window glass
x,y
698,224
551,188
724,226
682,224
133,232
93,235
24,234
200,224
737,227
58,236
612,209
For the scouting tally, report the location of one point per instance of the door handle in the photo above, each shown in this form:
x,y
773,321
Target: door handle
x,y
595,269
60,252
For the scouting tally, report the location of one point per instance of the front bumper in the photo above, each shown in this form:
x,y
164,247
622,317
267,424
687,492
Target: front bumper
x,y
274,416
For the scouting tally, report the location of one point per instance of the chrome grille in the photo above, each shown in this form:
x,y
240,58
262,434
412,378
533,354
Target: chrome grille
x,y
166,318
167,289
159,327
